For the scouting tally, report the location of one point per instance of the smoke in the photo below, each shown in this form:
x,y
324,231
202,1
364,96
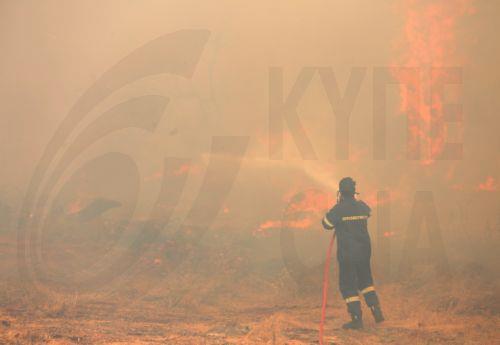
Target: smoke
x,y
52,53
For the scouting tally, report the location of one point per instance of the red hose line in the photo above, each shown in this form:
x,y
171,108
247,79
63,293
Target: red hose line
x,y
325,289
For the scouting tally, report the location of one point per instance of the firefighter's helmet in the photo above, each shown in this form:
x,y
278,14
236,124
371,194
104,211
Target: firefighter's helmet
x,y
347,186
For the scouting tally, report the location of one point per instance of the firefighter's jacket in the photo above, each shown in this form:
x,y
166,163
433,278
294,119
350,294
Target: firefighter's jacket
x,y
349,217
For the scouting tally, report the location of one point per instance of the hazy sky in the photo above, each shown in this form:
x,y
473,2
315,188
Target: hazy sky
x,y
53,51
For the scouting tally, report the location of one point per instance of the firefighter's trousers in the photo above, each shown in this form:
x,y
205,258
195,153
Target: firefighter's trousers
x,y
355,277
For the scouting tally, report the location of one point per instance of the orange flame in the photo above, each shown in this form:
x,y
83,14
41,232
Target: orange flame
x,y
295,224
306,210
183,169
489,185
429,35
187,168
75,206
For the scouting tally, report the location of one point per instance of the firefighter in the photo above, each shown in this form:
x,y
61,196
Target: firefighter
x,y
349,219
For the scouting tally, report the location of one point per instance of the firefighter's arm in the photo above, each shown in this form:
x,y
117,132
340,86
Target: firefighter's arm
x,y
326,223
329,220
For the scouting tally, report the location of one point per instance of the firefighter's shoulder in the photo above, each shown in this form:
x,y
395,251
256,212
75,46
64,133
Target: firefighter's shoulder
x,y
363,206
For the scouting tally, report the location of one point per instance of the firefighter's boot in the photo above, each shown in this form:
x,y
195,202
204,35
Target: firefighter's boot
x,y
355,323
354,308
373,303
377,313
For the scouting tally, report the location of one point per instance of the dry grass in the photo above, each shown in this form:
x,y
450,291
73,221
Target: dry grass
x,y
198,304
